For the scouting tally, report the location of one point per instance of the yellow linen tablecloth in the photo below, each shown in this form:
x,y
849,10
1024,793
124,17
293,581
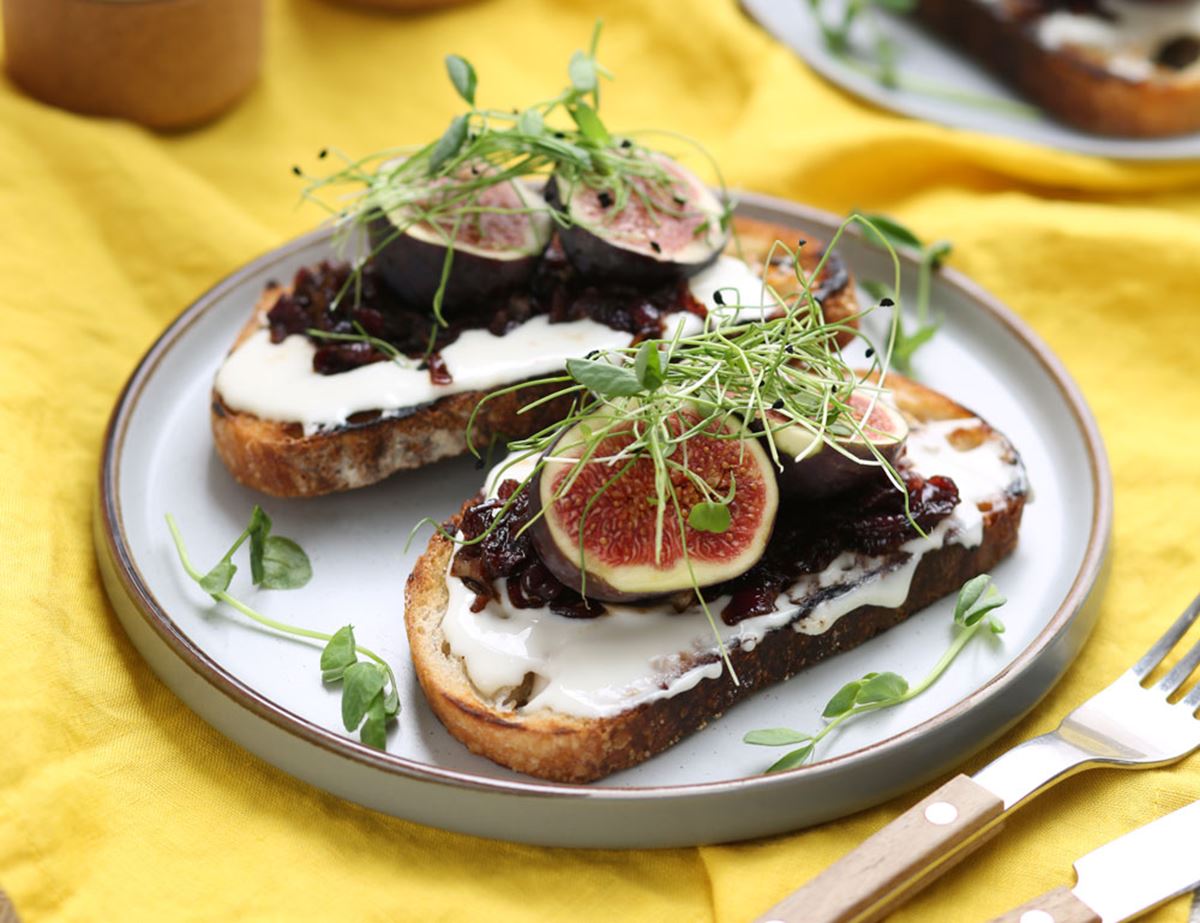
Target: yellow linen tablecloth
x,y
116,802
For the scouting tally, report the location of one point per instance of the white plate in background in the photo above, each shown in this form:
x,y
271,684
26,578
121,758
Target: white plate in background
x,y
923,56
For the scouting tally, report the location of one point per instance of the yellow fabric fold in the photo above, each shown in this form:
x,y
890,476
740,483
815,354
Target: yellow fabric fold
x,y
116,802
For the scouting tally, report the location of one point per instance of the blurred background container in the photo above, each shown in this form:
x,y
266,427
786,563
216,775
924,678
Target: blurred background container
x,y
164,63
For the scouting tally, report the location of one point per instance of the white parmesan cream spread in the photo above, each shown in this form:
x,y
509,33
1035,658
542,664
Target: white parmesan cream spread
x,y
277,382
1130,41
634,654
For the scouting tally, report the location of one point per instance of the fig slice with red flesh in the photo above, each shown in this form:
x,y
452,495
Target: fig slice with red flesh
x,y
494,251
619,553
675,237
813,468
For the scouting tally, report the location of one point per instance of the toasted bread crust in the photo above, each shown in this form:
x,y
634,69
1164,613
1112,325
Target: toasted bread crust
x,y
567,748
1073,86
279,459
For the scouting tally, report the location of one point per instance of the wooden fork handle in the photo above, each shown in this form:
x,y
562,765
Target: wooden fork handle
x,y
899,860
1057,906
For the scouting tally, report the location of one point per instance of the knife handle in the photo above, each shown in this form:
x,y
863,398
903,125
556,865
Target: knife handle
x,y
899,860
1057,906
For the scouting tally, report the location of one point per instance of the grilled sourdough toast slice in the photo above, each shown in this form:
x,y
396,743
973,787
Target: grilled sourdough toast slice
x,y
1126,68
565,747
279,458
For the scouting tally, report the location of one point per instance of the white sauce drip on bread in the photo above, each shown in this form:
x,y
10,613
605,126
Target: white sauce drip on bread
x,y
277,381
634,654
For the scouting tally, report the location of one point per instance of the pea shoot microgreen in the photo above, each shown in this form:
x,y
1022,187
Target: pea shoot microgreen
x,y
893,234
370,696
839,22
439,185
973,612
836,26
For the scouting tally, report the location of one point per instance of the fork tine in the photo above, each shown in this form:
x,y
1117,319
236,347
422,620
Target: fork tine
x,y
1170,638
1181,671
1193,697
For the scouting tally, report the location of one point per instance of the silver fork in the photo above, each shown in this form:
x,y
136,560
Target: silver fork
x,y
1125,725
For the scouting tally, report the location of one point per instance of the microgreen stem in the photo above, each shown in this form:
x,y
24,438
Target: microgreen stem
x,y
961,639
443,185
880,62
973,611
265,620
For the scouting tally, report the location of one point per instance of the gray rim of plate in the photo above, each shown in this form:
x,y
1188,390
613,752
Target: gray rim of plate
x,y
111,544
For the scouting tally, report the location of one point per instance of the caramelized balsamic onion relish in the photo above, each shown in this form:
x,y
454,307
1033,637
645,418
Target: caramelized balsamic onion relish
x,y
557,290
808,536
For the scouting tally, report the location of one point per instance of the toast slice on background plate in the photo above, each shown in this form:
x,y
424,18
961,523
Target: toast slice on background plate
x,y
285,458
854,597
1126,68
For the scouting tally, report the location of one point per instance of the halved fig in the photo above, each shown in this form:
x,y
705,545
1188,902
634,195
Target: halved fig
x,y
670,231
814,468
619,553
494,252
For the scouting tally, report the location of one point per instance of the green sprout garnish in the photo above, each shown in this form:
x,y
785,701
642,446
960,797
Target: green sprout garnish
x,y
370,695
835,32
440,185
972,613
721,382
893,234
836,24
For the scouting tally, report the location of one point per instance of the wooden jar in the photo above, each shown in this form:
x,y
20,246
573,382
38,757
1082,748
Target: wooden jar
x,y
163,63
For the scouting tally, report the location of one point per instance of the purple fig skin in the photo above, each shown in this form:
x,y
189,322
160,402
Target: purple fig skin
x,y
827,472
412,268
599,257
411,262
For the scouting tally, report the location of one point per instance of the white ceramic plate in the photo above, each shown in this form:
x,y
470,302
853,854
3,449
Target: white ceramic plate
x,y
264,691
923,57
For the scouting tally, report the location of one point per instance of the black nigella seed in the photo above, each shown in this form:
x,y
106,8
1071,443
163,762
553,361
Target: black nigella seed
x,y
778,405
593,354
719,299
605,200
886,302
789,349
626,143
322,153
802,242
870,352
559,134
297,171
655,246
